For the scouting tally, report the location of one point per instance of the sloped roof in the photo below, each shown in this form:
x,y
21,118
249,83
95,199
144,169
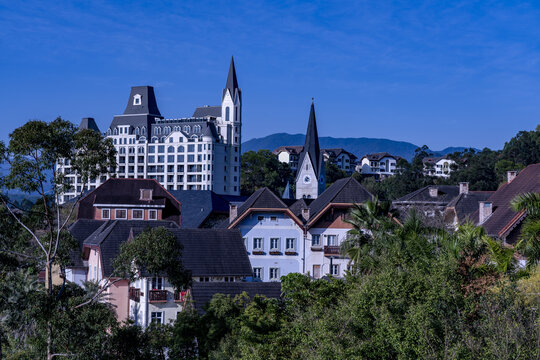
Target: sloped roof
x,y
148,101
112,233
88,123
291,149
297,206
445,194
80,230
343,191
202,293
466,204
198,205
204,111
378,156
214,252
504,217
338,151
232,82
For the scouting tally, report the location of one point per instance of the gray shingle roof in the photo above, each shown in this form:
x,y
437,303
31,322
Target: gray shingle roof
x,y
343,191
113,233
379,156
232,82
198,205
466,204
88,123
204,111
148,101
202,293
80,230
445,194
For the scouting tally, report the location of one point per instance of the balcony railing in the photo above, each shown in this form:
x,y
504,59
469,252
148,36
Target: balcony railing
x,y
332,250
157,296
134,294
180,296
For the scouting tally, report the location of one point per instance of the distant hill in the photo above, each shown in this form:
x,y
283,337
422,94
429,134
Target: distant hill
x,y
358,146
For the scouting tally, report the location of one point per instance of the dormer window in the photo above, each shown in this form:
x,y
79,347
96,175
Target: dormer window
x,y
137,99
146,195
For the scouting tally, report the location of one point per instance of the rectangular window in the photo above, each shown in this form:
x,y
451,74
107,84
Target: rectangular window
x,y
199,147
161,158
257,273
257,244
334,270
151,158
290,244
274,244
137,214
274,274
151,149
157,317
315,240
157,283
260,218
170,158
272,218
191,158
161,149
191,148
152,214
105,213
331,240
120,214
180,158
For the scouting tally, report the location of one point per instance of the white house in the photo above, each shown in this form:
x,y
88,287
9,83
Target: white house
x,y
438,166
381,164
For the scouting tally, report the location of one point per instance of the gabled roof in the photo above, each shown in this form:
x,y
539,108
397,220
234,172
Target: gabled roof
x,y
311,145
378,156
504,218
80,230
297,206
204,111
343,191
291,149
88,123
202,293
198,205
465,205
338,151
445,194
262,199
112,233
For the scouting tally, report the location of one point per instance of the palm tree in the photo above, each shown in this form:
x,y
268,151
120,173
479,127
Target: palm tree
x,y
530,230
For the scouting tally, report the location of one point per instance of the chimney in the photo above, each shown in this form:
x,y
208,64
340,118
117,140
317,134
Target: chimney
x,y
433,191
146,195
305,214
511,175
463,187
233,212
485,210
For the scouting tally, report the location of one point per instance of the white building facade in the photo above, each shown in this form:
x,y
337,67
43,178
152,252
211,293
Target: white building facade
x,y
201,152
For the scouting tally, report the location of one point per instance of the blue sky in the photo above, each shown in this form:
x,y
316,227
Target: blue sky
x,y
437,73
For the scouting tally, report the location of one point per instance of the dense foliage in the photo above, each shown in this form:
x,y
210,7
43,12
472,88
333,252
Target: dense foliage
x,y
262,169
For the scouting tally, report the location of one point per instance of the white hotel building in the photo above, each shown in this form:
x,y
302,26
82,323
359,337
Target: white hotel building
x,y
201,152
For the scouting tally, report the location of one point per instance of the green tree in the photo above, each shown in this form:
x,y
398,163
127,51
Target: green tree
x,y
333,173
33,151
262,169
530,230
524,148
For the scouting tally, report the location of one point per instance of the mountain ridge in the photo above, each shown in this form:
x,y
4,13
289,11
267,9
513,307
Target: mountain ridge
x,y
358,146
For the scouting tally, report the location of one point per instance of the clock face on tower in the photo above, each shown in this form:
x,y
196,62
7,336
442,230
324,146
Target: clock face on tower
x,y
307,179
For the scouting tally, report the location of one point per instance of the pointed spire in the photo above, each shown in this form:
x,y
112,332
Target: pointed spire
x,y
232,82
311,145
287,193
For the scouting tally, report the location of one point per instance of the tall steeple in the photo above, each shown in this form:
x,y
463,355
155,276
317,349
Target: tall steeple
x,y
310,176
311,145
232,83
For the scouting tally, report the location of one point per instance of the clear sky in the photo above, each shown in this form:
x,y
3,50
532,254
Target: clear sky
x,y
436,72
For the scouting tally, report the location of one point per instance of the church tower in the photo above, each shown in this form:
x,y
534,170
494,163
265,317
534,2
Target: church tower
x,y
231,109
310,176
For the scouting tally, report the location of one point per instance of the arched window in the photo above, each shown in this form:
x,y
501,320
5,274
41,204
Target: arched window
x,y
166,130
154,139
197,129
227,115
109,131
236,113
142,138
122,150
177,128
115,131
114,141
170,149
187,128
162,140
137,131
143,132
131,150
180,148
141,150
194,137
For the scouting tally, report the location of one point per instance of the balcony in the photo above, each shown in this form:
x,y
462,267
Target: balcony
x,y
134,294
157,296
180,296
332,250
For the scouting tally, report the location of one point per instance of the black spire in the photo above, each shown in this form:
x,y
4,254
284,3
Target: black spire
x,y
232,83
311,145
